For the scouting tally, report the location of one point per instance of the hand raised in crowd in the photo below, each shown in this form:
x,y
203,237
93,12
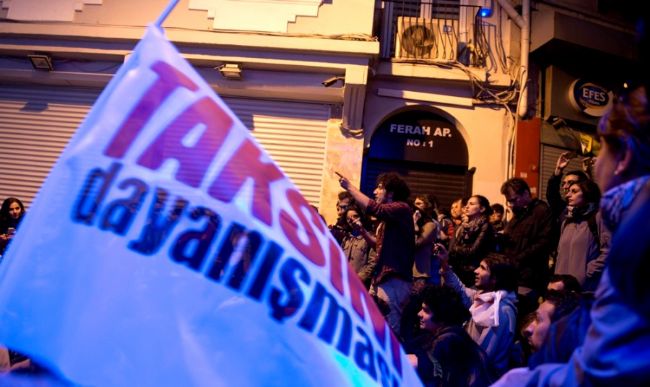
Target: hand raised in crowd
x,y
563,161
416,216
343,181
442,254
359,197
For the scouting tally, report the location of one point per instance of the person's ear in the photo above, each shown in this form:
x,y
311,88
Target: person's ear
x,y
624,162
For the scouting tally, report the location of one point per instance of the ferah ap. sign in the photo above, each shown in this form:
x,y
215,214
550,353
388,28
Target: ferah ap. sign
x,y
166,248
417,135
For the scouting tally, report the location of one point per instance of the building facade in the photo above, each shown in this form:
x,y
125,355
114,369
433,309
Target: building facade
x,y
431,89
583,53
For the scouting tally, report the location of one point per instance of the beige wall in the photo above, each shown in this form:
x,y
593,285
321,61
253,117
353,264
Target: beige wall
x,y
486,136
286,67
338,17
344,155
335,17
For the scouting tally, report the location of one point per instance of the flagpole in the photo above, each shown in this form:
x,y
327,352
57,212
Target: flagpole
x,y
161,19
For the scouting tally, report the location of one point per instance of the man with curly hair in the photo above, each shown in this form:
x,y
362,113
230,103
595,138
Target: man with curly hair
x,y
446,354
395,242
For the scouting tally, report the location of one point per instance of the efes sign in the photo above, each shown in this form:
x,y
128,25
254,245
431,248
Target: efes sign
x,y
590,98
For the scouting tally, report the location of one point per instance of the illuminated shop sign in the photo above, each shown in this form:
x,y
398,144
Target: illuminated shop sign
x,y
590,98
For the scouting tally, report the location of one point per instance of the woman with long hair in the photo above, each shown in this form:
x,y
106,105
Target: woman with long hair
x,y
584,240
472,240
426,234
425,266
11,214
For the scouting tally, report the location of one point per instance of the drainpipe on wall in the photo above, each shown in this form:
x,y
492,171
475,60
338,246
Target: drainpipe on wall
x,y
523,22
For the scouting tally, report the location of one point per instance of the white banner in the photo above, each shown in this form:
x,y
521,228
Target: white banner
x,y
166,248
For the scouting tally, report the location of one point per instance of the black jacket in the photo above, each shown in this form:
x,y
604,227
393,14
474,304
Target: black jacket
x,y
528,243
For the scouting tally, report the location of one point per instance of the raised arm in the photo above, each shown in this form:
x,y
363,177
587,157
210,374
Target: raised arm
x,y
451,279
369,237
553,195
359,197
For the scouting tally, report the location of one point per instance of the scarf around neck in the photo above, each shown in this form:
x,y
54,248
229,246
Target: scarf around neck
x,y
582,212
485,308
618,200
471,227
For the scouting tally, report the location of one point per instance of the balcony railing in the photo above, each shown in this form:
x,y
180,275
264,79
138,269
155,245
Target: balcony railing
x,y
429,30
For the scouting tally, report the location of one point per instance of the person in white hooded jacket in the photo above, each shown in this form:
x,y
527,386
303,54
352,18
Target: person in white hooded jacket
x,y
491,304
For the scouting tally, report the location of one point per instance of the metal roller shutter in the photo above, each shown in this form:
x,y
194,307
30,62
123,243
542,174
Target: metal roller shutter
x,y
37,122
294,134
35,125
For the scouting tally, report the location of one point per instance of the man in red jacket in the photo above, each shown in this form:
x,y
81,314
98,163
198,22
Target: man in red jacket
x,y
395,242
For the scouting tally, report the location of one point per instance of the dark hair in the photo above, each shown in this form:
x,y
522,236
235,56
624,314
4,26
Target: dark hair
x,y
394,184
502,271
429,210
435,203
485,203
446,305
463,201
445,213
517,185
425,199
564,302
523,323
590,191
570,282
580,174
345,195
4,211
498,208
365,222
627,125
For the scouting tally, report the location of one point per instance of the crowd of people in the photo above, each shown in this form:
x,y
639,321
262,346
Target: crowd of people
x,y
531,300
556,293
